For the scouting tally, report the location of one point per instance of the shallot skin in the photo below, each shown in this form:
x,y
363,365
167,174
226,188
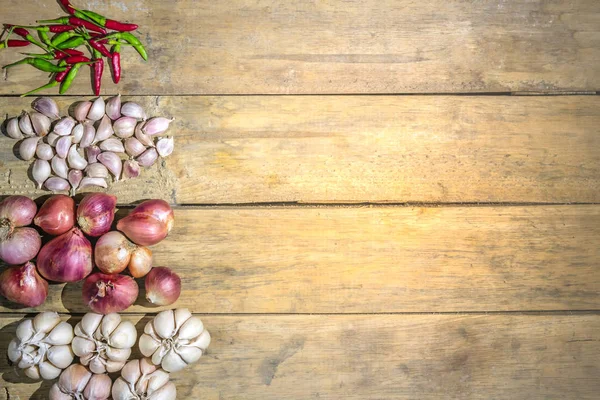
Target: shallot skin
x,y
66,258
57,215
106,294
96,213
23,285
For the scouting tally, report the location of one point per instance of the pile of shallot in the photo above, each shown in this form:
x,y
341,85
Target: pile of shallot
x,y
99,141
45,348
69,255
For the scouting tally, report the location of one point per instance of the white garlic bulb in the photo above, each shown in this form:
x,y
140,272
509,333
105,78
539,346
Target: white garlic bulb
x,y
42,346
140,379
77,382
103,342
174,339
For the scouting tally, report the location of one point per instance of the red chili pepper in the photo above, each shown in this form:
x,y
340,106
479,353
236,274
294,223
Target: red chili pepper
x,y
116,65
100,47
60,28
88,25
67,6
59,77
72,52
76,59
14,43
98,69
120,26
21,32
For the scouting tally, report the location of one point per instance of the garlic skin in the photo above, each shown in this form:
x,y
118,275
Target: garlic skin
x,y
42,346
103,342
174,339
77,382
141,380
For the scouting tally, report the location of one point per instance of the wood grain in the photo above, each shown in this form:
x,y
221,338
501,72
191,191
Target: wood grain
x,y
388,259
375,357
342,149
342,46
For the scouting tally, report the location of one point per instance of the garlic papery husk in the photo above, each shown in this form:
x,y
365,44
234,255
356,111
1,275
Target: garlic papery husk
x,y
76,160
59,166
42,347
40,171
77,382
165,146
41,123
25,124
141,380
46,106
112,144
12,129
124,127
134,110
157,125
104,130
28,147
65,126
112,162
113,107
103,342
97,110
174,339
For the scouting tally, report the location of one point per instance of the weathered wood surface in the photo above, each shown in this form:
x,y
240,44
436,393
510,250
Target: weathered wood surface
x,y
388,259
355,46
361,149
381,357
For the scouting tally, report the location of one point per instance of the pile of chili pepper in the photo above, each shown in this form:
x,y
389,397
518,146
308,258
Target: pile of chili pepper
x,y
61,58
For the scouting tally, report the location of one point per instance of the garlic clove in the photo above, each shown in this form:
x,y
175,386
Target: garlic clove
x,y
27,360
131,372
87,182
77,133
46,106
191,329
40,172
146,366
98,388
105,129
110,322
158,356
97,365
13,352
12,128
52,138
131,169
90,322
124,336
134,110
148,345
64,126
165,146
113,107
33,372
202,341
190,354
75,159
57,394
157,125
113,366
40,123
49,371
172,362
56,184
45,321
112,144
28,147
112,162
142,137
82,346
92,153
25,330
120,355
164,324
44,151
75,177
134,147
25,124
181,316
124,127
74,379
122,391
148,158
96,170
89,133
59,166
60,356
60,334
81,110
97,109
166,392
62,146
157,379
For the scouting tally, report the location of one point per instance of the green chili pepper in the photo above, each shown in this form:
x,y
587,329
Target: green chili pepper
x,y
44,38
71,43
132,40
47,56
91,16
63,36
39,63
46,86
69,78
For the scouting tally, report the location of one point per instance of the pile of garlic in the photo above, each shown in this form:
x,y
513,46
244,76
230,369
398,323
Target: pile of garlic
x,y
45,347
101,139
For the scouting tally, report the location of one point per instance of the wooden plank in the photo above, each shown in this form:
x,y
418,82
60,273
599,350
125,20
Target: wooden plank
x,y
343,46
362,149
375,357
347,260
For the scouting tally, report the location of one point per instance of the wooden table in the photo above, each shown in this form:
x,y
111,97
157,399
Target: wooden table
x,y
374,199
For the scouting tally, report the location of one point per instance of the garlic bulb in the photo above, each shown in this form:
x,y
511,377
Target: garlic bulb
x,y
174,339
103,342
140,379
77,382
42,346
